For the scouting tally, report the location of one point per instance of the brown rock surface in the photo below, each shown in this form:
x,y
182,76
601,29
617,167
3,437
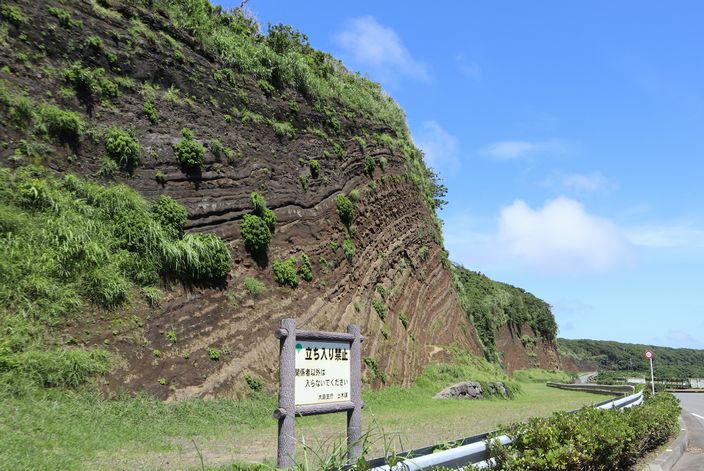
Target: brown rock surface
x,y
516,356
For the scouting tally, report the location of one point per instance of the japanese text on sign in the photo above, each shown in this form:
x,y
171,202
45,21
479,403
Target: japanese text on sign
x,y
322,372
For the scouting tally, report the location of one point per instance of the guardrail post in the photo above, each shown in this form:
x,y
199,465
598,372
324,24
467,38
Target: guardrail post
x,y
354,416
286,413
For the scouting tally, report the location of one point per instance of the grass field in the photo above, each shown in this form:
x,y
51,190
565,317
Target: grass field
x,y
60,430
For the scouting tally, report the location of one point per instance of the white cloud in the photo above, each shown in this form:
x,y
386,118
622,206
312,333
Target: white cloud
x,y
579,182
439,146
680,338
667,236
369,44
570,312
511,150
561,237
584,183
507,150
468,68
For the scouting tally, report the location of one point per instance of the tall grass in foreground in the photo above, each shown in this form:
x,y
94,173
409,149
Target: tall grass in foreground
x,y
66,244
54,429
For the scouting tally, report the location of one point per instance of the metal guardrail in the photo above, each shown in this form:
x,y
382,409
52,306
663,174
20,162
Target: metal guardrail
x,y
594,388
474,450
623,402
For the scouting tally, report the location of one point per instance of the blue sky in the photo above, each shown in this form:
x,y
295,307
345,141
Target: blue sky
x,y
569,134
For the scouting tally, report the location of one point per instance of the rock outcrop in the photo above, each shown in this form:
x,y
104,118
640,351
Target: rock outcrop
x,y
472,390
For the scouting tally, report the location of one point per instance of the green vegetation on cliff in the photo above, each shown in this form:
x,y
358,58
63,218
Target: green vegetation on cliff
x,y
75,247
71,247
669,363
491,304
282,60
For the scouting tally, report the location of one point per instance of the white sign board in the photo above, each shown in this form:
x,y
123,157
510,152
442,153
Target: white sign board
x,y
635,380
322,372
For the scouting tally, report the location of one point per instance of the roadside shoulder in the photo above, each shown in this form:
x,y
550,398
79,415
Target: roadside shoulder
x,y
674,451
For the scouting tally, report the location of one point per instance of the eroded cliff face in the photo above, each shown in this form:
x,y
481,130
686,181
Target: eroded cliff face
x,y
389,233
521,347
206,340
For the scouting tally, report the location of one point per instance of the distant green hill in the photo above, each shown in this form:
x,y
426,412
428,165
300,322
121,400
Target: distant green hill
x,y
669,363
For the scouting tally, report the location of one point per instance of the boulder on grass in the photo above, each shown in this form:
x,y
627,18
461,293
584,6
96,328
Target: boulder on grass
x,y
472,390
464,390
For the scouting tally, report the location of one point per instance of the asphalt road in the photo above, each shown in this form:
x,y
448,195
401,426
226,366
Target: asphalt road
x,y
584,379
693,416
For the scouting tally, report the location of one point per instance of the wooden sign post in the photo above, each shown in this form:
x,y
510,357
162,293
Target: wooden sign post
x,y
319,373
649,356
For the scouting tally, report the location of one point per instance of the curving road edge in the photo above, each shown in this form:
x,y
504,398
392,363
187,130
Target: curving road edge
x,y
686,453
674,452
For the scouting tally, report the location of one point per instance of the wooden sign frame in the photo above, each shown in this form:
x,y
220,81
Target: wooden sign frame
x,y
287,411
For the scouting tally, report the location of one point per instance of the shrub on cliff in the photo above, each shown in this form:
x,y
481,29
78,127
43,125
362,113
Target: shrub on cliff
x,y
269,218
306,269
349,249
151,112
314,168
200,258
12,14
258,203
369,165
261,210
285,272
256,234
345,209
122,147
89,82
189,151
171,215
64,126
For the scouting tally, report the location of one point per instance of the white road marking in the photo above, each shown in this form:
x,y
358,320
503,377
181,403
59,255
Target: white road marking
x,y
697,415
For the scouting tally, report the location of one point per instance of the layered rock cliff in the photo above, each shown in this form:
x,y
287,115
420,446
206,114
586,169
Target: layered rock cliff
x,y
274,117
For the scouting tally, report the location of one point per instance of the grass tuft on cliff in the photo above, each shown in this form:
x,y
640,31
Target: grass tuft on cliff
x,y
69,244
